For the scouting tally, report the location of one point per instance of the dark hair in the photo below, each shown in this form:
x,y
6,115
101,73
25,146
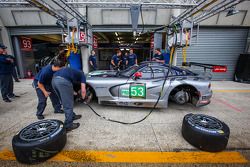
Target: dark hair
x,y
59,62
158,49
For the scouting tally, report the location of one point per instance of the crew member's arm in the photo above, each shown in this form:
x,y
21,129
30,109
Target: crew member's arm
x,y
112,61
161,61
136,60
6,60
90,62
45,92
83,86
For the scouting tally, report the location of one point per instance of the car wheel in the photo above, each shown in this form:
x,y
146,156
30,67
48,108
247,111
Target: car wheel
x,y
39,141
89,95
181,97
205,132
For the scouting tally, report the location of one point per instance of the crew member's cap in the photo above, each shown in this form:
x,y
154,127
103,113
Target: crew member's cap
x,y
2,46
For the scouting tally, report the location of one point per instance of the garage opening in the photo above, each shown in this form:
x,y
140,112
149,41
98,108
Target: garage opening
x,y
110,42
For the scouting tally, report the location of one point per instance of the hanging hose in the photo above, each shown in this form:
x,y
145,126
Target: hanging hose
x,y
184,50
173,46
71,47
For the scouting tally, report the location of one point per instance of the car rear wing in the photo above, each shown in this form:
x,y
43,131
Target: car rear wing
x,y
212,67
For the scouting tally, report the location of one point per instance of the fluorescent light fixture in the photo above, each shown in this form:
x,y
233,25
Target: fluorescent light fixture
x,y
137,38
119,41
122,48
118,38
127,49
116,34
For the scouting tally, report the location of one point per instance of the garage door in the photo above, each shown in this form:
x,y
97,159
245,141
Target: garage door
x,y
34,30
217,46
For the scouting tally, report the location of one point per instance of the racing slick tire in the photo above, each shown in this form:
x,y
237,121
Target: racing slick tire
x,y
39,141
205,132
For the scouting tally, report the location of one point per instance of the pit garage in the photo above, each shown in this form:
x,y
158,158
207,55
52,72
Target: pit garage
x,y
192,110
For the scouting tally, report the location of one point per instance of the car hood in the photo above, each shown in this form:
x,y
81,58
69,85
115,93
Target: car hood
x,y
102,73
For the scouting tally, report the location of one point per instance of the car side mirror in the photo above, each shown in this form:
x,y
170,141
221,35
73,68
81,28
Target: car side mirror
x,y
137,75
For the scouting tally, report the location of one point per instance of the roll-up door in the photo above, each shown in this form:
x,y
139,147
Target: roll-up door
x,y
220,46
34,30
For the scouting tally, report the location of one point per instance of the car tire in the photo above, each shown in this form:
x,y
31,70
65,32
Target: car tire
x,y
39,141
205,132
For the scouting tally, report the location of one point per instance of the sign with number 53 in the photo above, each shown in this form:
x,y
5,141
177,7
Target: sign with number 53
x,y
137,91
26,44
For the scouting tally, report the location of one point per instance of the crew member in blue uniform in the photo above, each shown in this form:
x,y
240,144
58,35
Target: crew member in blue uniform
x,y
125,61
132,58
43,87
63,82
6,69
158,57
116,61
92,61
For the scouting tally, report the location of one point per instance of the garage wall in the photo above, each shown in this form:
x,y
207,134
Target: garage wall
x,y
220,46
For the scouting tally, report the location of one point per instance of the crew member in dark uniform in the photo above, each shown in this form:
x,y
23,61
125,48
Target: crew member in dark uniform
x,y
92,61
42,84
158,57
132,58
125,61
62,83
116,61
6,69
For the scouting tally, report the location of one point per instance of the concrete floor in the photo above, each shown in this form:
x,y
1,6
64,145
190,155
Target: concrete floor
x,y
160,132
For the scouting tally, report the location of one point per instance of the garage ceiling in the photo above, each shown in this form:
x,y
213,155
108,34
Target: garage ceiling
x,y
122,38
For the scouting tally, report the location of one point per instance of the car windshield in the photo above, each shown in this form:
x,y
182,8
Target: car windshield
x,y
129,71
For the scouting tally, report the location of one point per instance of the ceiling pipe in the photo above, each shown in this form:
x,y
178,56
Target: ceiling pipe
x,y
218,10
48,9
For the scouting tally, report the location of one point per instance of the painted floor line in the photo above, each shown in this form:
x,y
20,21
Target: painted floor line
x,y
228,105
140,157
232,90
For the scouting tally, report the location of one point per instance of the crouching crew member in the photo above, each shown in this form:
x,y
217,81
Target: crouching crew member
x,y
62,83
42,84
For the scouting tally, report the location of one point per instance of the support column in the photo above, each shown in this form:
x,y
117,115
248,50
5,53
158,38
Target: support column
x,y
175,13
6,38
85,51
18,55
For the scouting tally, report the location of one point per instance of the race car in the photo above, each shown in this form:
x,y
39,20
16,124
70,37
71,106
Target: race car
x,y
147,83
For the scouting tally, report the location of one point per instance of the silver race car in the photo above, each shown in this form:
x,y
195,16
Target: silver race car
x,y
141,86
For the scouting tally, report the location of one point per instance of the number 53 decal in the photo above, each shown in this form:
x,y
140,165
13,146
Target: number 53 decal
x,y
137,91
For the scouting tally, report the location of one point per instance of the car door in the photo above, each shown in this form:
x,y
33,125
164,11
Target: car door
x,y
145,89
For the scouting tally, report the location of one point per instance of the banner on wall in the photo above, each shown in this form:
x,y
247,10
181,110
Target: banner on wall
x,y
152,41
95,42
82,37
26,43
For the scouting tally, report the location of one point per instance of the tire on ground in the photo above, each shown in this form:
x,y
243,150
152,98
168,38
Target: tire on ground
x,y
205,132
39,141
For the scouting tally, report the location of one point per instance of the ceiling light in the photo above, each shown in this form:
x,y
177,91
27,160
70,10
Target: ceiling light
x,y
118,38
232,11
116,34
137,38
119,41
122,49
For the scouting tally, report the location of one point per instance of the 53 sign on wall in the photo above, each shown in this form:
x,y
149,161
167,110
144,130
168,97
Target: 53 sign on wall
x,y
26,44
